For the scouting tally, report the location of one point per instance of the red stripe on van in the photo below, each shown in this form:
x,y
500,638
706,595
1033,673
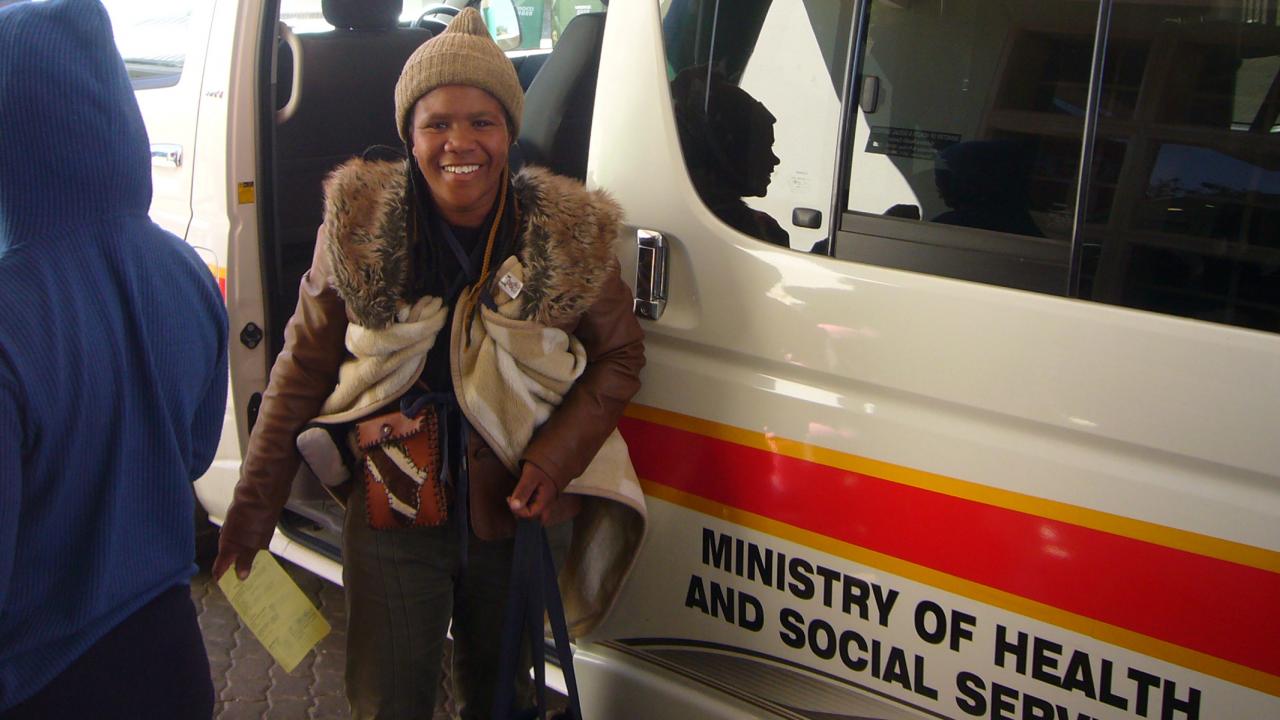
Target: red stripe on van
x,y
1213,606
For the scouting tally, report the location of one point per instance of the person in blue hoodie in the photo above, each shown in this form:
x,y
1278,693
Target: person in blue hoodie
x,y
113,381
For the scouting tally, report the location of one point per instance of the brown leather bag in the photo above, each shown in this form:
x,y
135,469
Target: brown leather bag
x,y
401,470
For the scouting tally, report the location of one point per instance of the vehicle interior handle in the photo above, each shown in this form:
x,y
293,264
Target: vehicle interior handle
x,y
869,97
651,274
295,88
806,218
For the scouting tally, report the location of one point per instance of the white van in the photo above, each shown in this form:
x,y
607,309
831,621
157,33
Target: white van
x,y
963,331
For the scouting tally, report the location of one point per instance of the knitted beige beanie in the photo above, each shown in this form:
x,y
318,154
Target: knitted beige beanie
x,y
463,54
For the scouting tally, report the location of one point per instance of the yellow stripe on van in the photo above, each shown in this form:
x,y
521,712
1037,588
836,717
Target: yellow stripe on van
x,y
1185,540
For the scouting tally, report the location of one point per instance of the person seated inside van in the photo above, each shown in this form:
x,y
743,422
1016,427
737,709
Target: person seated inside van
x,y
727,140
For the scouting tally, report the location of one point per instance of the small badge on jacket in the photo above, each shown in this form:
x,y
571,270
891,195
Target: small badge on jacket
x,y
511,285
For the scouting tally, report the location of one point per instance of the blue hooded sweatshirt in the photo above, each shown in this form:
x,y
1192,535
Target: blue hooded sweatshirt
x,y
113,342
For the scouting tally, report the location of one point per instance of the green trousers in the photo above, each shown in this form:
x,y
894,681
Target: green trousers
x,y
403,587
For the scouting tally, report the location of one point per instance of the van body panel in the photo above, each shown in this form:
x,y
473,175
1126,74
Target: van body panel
x,y
616,681
192,116
171,184
1067,470
225,199
245,291
873,493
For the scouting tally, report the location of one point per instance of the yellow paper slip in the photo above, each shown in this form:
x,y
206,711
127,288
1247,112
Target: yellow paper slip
x,y
276,610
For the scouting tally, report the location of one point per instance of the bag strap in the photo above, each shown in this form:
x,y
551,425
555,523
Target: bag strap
x,y
559,628
533,590
412,405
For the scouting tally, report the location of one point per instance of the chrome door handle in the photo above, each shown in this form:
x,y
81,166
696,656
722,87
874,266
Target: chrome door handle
x,y
651,274
166,155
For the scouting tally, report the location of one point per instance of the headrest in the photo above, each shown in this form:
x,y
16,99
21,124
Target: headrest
x,y
362,14
557,122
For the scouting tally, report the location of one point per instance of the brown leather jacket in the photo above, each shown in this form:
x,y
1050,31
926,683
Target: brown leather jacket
x,y
306,372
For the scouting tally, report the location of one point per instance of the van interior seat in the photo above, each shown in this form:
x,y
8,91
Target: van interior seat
x,y
527,68
341,101
556,131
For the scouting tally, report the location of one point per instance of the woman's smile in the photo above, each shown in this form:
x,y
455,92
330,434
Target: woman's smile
x,y
460,142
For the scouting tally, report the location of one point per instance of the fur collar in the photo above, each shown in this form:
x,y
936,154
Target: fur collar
x,y
565,241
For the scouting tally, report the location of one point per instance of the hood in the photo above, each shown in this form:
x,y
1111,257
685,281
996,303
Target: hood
x,y
72,142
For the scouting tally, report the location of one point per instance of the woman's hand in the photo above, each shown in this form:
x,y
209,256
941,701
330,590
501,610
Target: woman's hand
x,y
231,553
534,494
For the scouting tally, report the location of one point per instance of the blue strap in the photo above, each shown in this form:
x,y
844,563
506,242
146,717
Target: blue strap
x,y
446,404
412,404
464,261
533,592
512,623
462,491
559,628
470,273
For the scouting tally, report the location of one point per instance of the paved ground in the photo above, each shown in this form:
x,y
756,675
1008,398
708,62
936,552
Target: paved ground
x,y
247,682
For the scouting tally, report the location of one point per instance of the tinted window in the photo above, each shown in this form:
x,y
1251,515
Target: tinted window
x,y
307,16
755,89
540,21
1186,216
968,132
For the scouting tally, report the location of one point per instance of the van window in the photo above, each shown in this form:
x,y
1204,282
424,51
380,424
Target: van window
x,y
1186,215
755,90
152,39
558,13
306,16
968,130
967,136
541,21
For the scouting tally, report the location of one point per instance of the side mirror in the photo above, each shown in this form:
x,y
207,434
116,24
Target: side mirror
x,y
504,25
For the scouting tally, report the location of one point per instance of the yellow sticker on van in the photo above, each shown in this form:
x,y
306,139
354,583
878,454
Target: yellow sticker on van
x,y
244,191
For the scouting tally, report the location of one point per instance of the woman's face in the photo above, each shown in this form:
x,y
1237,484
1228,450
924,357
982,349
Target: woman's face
x,y
460,142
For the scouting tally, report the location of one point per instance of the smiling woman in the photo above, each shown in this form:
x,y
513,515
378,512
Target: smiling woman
x,y
422,268
460,139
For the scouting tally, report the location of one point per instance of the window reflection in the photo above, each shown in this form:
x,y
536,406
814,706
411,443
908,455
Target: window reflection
x,y
984,185
972,118
1194,227
727,140
755,89
969,133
